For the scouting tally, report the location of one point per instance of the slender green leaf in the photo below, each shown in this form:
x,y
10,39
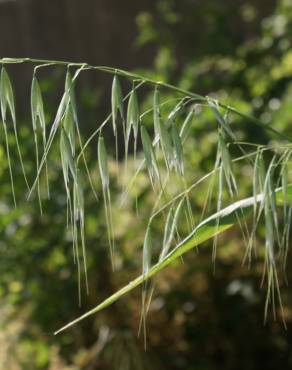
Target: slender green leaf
x,y
206,230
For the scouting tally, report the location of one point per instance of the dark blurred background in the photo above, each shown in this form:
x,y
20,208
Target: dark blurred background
x,y
238,51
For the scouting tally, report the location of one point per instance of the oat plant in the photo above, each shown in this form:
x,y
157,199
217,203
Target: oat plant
x,y
158,150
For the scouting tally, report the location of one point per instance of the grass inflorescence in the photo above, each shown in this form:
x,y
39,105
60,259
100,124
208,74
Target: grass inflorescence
x,y
159,150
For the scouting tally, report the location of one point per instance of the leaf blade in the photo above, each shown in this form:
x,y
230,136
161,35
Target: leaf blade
x,y
203,232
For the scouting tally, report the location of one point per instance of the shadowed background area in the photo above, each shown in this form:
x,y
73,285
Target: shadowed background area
x,y
237,51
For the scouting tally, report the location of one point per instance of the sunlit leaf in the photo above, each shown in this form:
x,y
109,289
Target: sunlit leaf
x,y
206,230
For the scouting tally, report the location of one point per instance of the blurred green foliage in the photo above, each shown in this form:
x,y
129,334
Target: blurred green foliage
x,y
239,52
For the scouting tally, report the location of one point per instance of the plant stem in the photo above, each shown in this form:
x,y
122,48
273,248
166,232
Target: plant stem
x,y
134,76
